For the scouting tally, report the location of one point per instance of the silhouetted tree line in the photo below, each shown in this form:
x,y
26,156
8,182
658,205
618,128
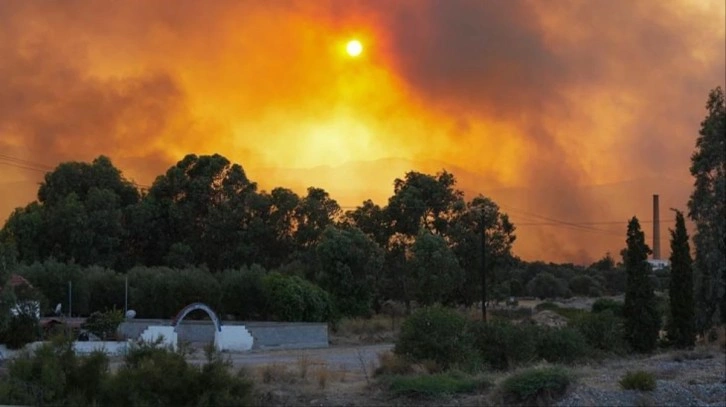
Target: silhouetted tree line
x,y
205,214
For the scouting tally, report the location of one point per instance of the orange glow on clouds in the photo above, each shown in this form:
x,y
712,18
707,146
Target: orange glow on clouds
x,y
529,102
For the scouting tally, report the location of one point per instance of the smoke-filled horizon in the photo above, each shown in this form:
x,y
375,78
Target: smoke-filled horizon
x,y
529,102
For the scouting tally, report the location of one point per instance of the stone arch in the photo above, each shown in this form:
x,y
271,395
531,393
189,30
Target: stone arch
x,y
193,307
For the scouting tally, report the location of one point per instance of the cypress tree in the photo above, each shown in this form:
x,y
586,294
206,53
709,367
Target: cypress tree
x,y
681,327
642,321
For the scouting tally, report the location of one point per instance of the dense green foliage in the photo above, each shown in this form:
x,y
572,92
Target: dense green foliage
x,y
638,380
602,330
54,375
204,232
436,385
680,326
104,324
503,345
437,334
707,208
561,345
538,386
161,292
607,304
642,317
291,298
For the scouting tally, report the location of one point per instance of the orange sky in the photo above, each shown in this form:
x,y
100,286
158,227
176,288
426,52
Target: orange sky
x,y
530,102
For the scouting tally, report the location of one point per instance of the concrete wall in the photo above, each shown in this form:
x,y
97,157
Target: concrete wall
x,y
81,348
234,338
153,332
284,335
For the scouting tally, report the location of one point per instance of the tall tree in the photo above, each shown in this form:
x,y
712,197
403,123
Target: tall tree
x,y
350,266
707,208
435,274
423,201
681,329
642,321
198,209
482,238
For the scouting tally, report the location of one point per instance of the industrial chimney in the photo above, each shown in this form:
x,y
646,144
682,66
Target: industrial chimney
x,y
656,228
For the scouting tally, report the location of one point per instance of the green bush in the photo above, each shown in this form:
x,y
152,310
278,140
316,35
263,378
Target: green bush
x,y
561,345
435,333
584,285
539,386
503,345
436,385
53,374
605,304
104,324
22,329
603,331
291,298
638,380
242,292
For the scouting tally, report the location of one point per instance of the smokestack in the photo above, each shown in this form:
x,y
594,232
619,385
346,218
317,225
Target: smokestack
x,y
656,228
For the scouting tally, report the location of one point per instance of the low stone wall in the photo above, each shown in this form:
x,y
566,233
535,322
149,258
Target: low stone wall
x,y
282,335
81,348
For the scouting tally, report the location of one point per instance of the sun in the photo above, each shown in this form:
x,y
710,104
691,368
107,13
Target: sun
x,y
354,48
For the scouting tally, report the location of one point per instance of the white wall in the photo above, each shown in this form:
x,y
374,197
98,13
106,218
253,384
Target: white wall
x,y
154,332
233,338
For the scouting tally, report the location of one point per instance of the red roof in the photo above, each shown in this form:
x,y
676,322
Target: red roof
x,y
16,280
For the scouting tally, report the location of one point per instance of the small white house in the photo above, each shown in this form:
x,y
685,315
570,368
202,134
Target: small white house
x,y
659,264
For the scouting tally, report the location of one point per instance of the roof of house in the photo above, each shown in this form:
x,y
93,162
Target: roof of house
x,y
16,280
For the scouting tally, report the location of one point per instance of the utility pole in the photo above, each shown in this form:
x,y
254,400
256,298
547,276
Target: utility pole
x,y
70,299
126,296
483,270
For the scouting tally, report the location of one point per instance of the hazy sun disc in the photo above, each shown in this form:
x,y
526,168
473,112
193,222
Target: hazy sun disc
x,y
354,48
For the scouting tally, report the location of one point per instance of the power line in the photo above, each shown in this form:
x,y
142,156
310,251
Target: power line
x,y
553,222
41,168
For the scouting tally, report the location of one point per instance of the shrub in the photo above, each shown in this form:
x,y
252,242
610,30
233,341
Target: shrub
x,y
104,324
291,298
584,285
53,374
390,363
638,380
539,386
22,329
561,345
603,331
436,385
545,285
242,292
605,304
144,379
434,333
503,345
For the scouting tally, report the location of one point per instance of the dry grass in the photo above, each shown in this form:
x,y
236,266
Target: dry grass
x,y
377,329
390,363
276,373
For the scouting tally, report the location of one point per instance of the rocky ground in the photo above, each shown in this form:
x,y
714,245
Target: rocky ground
x,y
695,378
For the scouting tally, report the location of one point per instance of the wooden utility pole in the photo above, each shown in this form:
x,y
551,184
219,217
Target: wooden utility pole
x,y
483,270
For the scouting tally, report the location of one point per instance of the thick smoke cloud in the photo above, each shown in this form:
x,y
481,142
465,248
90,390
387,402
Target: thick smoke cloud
x,y
527,101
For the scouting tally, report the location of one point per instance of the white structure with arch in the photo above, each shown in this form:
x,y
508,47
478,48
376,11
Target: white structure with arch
x,y
226,337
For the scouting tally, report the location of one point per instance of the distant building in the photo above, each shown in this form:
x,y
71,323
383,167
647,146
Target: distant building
x,y
659,264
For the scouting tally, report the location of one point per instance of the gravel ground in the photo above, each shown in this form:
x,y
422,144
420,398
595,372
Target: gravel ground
x,y
697,382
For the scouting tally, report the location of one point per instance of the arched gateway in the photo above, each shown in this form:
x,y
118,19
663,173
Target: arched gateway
x,y
193,307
